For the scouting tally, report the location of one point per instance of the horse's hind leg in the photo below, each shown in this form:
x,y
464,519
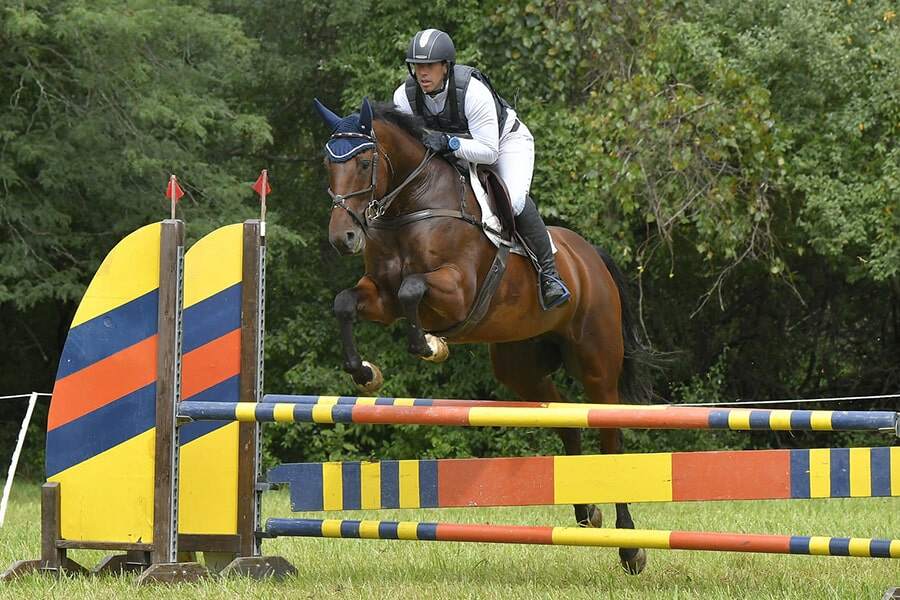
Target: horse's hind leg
x,y
633,559
525,368
598,371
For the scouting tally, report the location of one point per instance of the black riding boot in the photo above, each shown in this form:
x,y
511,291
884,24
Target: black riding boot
x,y
532,229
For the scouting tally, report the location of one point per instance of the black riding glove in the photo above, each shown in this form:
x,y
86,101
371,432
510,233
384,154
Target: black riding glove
x,y
437,142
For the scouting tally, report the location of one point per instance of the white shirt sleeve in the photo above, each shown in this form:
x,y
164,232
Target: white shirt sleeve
x,y
401,101
484,147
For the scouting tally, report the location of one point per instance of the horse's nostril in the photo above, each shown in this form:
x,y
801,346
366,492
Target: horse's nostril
x,y
351,236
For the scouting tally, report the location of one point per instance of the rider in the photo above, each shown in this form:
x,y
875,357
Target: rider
x,y
458,100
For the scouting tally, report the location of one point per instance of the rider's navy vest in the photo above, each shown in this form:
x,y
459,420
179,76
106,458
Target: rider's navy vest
x,y
444,120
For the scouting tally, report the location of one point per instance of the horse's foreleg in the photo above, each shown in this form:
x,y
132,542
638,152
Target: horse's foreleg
x,y
347,305
421,344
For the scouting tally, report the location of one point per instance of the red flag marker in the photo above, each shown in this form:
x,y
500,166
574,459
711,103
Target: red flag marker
x,y
174,192
262,183
262,188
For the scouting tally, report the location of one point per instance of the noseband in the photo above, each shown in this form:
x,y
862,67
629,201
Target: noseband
x,y
377,206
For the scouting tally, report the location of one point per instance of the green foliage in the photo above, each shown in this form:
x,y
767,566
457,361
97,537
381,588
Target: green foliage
x,y
104,101
739,159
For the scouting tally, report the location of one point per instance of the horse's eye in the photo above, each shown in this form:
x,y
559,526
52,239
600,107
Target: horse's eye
x,y
365,164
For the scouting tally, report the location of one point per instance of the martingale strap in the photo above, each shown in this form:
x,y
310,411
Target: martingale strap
x,y
403,220
378,206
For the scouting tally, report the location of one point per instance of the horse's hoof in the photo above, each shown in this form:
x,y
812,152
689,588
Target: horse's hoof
x,y
374,384
439,348
636,563
595,517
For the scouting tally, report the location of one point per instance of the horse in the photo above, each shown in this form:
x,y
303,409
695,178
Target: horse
x,y
409,212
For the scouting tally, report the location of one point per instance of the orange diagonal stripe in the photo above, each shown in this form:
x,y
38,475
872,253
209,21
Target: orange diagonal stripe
x,y
103,382
211,363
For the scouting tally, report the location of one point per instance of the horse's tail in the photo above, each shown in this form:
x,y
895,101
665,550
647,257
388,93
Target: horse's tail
x,y
634,383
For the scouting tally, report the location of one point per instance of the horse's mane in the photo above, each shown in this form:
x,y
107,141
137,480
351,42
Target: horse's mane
x,y
411,124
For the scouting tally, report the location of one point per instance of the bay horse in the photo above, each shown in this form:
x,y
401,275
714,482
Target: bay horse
x,y
404,209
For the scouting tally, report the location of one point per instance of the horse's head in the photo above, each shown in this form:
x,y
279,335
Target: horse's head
x,y
355,175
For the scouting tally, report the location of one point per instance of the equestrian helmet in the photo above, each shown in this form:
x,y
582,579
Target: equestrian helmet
x,y
431,46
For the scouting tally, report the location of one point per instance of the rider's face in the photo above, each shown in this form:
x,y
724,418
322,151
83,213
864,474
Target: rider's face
x,y
430,75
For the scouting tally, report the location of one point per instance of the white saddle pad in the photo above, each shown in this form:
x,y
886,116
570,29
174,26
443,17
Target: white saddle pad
x,y
492,220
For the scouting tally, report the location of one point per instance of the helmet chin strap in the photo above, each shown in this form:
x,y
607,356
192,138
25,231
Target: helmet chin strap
x,y
436,92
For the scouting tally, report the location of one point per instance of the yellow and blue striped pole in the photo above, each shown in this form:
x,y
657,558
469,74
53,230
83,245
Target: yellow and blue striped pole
x,y
580,536
611,416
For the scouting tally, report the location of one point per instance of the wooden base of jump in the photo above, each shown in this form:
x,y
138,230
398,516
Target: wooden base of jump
x,y
260,567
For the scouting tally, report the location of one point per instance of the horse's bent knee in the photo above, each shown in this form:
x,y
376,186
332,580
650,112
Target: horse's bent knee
x,y
345,305
412,289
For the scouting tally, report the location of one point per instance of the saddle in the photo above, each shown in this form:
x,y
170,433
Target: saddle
x,y
498,199
500,205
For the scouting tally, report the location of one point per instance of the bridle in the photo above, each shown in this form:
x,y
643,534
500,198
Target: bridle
x,y
377,206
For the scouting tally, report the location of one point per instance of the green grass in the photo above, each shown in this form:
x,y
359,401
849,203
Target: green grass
x,y
395,569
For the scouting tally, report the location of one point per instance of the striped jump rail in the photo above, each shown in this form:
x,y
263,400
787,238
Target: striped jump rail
x,y
388,401
611,478
609,416
579,536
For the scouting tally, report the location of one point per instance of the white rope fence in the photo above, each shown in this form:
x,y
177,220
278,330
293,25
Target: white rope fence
x,y
16,396
7,488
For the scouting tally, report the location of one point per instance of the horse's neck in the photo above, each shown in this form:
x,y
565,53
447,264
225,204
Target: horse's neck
x,y
435,187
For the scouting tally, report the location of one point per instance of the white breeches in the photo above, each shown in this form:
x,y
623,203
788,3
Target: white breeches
x,y
516,165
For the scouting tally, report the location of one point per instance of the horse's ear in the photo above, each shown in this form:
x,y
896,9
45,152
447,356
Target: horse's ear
x,y
329,117
365,117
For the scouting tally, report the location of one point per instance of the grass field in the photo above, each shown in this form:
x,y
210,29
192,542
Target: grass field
x,y
395,569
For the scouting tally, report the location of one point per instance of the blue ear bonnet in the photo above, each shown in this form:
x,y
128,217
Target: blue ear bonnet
x,y
349,135
341,149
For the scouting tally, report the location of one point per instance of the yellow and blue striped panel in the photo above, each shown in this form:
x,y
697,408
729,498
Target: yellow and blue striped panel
x,y
100,428
213,287
579,536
